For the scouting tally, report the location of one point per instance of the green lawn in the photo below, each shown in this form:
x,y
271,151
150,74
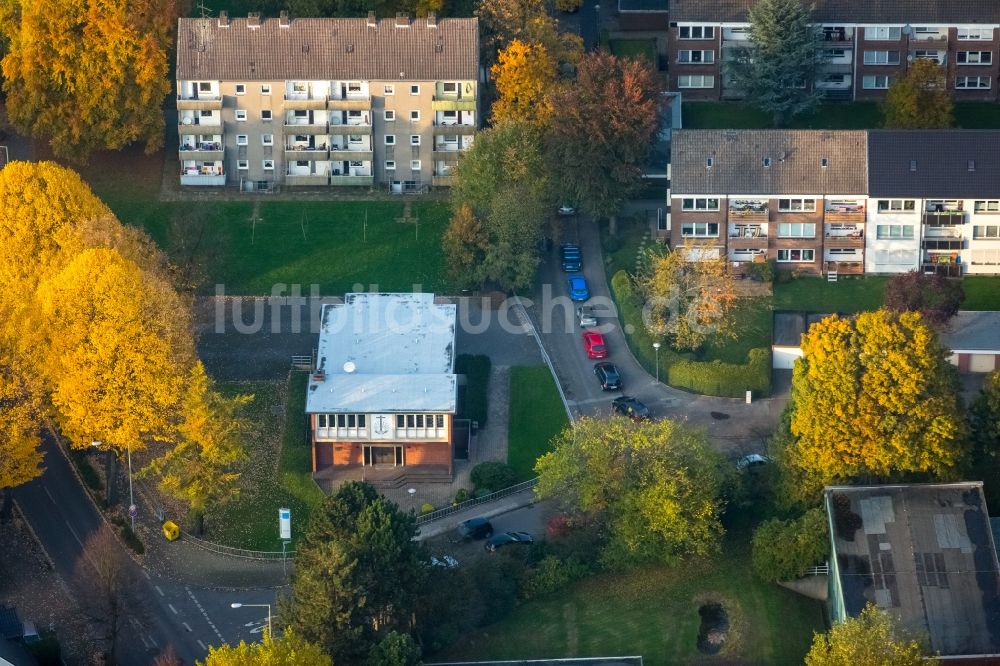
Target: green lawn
x,y
981,292
753,330
251,520
639,49
653,612
817,295
536,416
977,115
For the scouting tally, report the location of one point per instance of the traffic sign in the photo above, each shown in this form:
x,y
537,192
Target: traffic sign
x,y
285,523
133,511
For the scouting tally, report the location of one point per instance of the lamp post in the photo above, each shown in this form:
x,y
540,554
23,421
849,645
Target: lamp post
x,y
656,346
597,25
267,606
132,508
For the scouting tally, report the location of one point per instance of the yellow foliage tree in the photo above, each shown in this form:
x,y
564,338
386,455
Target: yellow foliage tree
x,y
287,650
525,75
87,75
873,638
920,99
20,458
873,396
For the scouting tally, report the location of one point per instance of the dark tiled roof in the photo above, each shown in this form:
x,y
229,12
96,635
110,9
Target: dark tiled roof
x,y
941,159
926,552
318,49
851,11
795,162
971,331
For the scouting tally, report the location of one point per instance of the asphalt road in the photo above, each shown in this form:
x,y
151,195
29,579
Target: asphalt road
x,y
189,618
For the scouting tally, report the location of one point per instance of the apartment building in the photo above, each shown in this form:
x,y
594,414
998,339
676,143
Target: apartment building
x,y
863,46
325,102
840,202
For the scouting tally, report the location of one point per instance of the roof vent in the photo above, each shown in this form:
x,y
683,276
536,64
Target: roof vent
x,y
253,20
824,162
402,21
350,48
972,165
766,162
349,367
372,23
432,20
223,18
283,20
913,165
782,156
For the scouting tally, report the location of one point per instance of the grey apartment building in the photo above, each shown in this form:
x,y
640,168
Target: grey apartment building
x,y
325,102
864,45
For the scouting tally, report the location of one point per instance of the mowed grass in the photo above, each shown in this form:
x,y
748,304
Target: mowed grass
x,y
815,294
982,292
637,49
753,330
537,415
653,612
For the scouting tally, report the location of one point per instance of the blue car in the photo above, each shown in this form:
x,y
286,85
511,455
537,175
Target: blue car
x,y
578,290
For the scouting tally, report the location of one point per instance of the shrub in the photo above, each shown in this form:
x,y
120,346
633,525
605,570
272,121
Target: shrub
x,y
493,476
762,272
568,5
551,574
132,540
611,244
724,379
784,277
426,507
477,377
461,496
784,549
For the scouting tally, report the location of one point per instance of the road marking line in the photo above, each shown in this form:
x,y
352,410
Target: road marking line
x,y
153,641
188,627
46,489
171,607
146,573
145,643
207,618
202,645
159,590
73,532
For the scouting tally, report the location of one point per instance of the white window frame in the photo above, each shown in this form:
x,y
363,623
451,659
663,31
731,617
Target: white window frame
x,y
699,230
266,115
355,139
267,139
389,89
962,82
414,139
896,206
881,57
389,139
974,57
390,165
389,115
414,115
204,86
895,231
986,207
446,84
414,165
242,140
797,205
974,34
300,87
689,57
240,115
242,165
883,33
268,165
265,89
796,230
241,89
354,86
928,54
414,88
992,231
877,81
696,32
700,204
688,81
785,255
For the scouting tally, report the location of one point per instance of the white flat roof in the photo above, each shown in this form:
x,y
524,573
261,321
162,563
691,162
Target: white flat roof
x,y
385,353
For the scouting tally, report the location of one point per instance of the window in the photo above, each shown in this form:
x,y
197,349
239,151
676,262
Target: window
x,y
299,87
797,205
355,163
354,139
204,86
989,257
696,81
699,204
241,139
796,256
882,33
975,33
891,231
986,231
265,114
766,162
896,205
877,82
973,82
424,424
699,229
390,165
302,163
415,165
268,165
414,139
975,57
449,139
696,32
241,115
241,89
353,87
414,89
267,139
987,207
686,57
389,89
921,54
389,115
834,53
265,89
796,230
390,139
242,165
881,57
449,88
414,115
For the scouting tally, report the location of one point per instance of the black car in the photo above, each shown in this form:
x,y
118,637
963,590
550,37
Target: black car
x,y
572,257
475,528
505,538
607,374
630,407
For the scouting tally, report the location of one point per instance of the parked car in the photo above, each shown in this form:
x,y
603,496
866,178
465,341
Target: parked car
x,y
571,256
475,528
566,209
445,561
585,315
608,375
505,538
630,407
593,344
752,460
578,290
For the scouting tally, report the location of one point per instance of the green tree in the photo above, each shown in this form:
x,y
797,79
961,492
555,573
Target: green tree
x,y
873,638
784,549
395,649
652,487
873,397
985,418
358,574
88,77
465,245
919,99
288,649
608,119
776,72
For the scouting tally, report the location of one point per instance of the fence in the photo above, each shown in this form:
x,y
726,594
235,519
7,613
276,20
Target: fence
x,y
818,570
302,362
237,552
526,320
485,499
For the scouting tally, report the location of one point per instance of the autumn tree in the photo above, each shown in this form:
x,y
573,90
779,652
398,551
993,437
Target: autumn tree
x,y
525,76
777,70
688,296
873,638
88,76
873,397
920,98
20,456
985,421
934,296
608,120
503,21
465,244
651,487
288,649
198,469
358,574
785,549
349,8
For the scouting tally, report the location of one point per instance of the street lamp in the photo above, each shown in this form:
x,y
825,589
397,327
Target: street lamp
x,y
597,23
236,604
132,508
656,346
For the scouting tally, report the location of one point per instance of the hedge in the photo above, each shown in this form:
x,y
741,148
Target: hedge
x,y
477,379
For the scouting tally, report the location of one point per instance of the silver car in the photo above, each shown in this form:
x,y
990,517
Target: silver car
x,y
585,316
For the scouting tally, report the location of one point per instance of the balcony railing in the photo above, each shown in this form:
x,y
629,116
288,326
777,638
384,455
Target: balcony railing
x,y
305,153
453,104
352,181
203,177
202,152
305,103
307,129
738,242
440,129
851,240
201,121
929,41
341,129
342,154
749,215
840,215
443,181
945,218
845,267
349,103
199,103
306,179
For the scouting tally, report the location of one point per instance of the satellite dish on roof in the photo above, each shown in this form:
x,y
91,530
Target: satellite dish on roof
x,y
349,367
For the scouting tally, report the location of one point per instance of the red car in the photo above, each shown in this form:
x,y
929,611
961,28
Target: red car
x,y
593,344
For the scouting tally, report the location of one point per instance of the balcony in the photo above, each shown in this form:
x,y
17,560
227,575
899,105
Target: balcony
x,y
942,244
929,41
352,181
836,39
306,129
841,215
453,129
949,268
306,179
306,153
749,215
854,239
304,103
845,267
946,218
344,154
199,103
448,155
341,129
740,242
443,181
202,152
349,104
453,104
201,121
205,176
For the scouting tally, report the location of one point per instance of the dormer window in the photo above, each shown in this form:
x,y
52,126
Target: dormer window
x,y
709,162
766,162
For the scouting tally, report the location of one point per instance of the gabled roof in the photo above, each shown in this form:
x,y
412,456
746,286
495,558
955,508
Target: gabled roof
x,y
924,552
934,163
850,11
327,49
795,158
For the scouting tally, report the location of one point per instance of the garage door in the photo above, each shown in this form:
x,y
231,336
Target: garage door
x,y
324,455
783,358
982,362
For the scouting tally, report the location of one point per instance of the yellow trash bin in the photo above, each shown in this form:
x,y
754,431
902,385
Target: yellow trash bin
x,y
171,530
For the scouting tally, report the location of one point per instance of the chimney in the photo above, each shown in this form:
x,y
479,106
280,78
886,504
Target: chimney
x,y
253,20
432,20
283,21
372,23
402,21
223,19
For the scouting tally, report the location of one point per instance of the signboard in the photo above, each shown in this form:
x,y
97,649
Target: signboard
x,y
133,511
285,523
382,426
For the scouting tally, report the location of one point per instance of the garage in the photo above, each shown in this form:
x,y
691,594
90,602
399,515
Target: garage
x,y
974,341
